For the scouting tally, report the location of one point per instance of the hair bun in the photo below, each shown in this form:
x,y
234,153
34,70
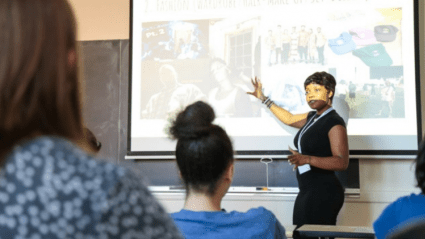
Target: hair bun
x,y
193,122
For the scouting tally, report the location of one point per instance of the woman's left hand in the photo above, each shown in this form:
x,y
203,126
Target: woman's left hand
x,y
297,159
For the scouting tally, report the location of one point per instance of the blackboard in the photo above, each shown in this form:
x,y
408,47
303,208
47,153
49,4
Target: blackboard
x,y
105,73
248,173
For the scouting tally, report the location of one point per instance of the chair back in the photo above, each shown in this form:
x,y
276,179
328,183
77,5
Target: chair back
x,y
413,230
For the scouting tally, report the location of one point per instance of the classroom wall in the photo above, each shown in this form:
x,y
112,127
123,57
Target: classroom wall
x,y
381,181
102,19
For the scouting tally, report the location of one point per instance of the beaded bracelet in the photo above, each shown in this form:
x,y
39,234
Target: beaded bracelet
x,y
268,102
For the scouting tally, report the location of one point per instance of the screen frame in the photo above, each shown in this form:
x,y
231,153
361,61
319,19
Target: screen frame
x,y
245,154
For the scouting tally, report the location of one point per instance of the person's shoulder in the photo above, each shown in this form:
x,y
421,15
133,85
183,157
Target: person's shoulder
x,y
334,114
182,214
412,199
261,212
398,212
64,155
49,145
335,119
399,202
402,203
265,216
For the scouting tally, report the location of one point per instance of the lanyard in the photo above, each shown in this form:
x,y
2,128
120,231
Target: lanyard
x,y
308,125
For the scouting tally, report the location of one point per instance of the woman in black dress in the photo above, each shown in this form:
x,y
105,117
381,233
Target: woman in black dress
x,y
322,149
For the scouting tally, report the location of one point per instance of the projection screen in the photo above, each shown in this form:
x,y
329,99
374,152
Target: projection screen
x,y
183,51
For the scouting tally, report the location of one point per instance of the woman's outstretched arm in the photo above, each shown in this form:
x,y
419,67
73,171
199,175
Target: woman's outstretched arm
x,y
283,115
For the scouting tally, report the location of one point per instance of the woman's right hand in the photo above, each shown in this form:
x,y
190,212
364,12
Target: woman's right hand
x,y
258,89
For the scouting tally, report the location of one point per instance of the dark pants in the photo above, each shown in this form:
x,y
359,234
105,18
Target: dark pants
x,y
285,52
278,52
320,51
318,206
270,57
386,109
302,50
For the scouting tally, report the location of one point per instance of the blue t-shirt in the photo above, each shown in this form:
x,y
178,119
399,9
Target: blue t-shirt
x,y
402,211
256,223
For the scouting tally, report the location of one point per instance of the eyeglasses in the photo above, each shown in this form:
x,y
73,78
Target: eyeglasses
x,y
98,145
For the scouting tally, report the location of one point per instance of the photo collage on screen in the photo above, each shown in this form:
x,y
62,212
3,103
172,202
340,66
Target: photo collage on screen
x,y
214,60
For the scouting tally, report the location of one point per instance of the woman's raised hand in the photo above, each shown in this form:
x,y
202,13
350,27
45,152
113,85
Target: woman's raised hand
x,y
258,89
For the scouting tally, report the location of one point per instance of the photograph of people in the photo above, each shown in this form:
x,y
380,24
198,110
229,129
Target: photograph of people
x,y
173,96
303,38
228,99
204,156
341,89
381,96
312,48
388,97
270,45
320,44
322,149
278,36
352,91
174,40
286,46
294,45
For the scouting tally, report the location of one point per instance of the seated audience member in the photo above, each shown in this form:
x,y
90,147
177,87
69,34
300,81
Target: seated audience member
x,y
405,210
204,156
50,185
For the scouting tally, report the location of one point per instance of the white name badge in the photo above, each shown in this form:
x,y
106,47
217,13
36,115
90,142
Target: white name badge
x,y
304,168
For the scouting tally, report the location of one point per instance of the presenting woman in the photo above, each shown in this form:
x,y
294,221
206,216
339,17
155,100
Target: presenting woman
x,y
322,149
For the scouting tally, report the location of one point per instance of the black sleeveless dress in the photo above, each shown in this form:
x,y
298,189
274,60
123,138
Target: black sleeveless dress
x,y
321,194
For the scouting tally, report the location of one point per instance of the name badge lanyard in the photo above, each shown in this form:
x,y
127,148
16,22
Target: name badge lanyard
x,y
308,125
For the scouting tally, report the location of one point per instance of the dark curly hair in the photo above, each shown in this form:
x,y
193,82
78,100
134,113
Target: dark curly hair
x,y
322,78
204,150
420,167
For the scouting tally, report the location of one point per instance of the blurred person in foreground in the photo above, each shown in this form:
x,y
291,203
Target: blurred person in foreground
x,y
51,186
406,210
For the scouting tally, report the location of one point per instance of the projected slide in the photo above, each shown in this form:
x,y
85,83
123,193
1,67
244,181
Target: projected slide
x,y
189,50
